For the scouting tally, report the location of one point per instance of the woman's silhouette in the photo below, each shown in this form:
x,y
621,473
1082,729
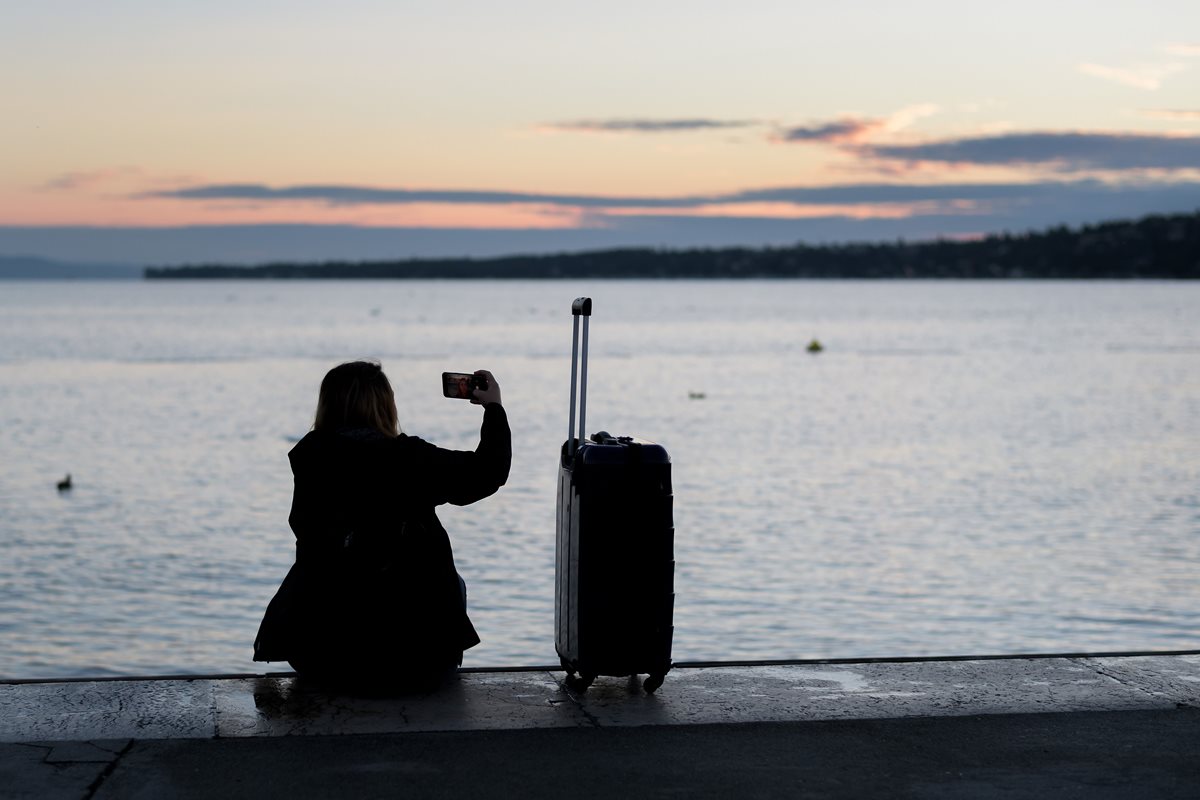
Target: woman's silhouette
x,y
373,598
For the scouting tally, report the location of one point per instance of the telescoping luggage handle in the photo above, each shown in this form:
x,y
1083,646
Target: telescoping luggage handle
x,y
582,307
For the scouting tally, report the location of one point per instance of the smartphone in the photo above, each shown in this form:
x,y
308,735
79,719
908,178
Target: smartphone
x,y
460,385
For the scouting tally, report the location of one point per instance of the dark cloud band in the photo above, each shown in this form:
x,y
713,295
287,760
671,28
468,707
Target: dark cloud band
x,y
647,125
1071,151
845,194
365,195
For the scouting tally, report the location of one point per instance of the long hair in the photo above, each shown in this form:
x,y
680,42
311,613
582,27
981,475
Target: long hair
x,y
357,395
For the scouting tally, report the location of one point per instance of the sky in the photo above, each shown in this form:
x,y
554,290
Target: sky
x,y
138,131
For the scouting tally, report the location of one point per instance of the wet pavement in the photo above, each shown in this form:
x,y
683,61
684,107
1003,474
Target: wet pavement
x,y
1121,726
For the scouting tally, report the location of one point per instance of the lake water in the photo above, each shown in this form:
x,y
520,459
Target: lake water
x,y
968,467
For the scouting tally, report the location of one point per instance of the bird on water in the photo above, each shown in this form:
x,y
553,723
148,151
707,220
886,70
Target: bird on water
x,y
65,483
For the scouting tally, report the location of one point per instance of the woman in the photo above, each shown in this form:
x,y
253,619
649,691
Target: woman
x,y
373,597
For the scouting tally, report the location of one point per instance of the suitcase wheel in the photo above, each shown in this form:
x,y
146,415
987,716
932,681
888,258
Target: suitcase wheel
x,y
652,682
579,683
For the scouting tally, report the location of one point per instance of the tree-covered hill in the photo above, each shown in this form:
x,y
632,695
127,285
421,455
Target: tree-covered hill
x,y
1152,247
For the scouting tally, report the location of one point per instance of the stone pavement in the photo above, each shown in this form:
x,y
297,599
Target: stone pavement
x,y
1087,727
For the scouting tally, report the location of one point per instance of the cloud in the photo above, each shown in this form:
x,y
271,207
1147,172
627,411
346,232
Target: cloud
x,y
974,195
646,125
1185,114
1144,76
933,210
838,131
1064,151
908,115
89,179
1186,49
1011,207
867,193
360,195
364,195
852,129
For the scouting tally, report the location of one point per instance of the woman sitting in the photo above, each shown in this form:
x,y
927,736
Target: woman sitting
x,y
373,599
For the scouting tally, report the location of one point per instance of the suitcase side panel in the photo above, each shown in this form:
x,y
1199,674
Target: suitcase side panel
x,y
566,577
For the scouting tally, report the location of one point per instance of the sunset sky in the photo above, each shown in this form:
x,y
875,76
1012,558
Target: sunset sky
x,y
476,128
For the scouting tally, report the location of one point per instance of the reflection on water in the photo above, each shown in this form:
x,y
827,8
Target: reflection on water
x,y
966,467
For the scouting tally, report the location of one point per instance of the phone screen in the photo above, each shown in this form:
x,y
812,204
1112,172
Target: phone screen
x,y
457,385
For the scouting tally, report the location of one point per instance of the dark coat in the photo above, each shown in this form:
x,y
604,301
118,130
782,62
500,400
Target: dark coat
x,y
374,575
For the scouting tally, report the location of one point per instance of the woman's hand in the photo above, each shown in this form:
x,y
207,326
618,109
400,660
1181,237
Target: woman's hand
x,y
489,395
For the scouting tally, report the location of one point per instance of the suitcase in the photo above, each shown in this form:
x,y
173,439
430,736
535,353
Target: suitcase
x,y
614,558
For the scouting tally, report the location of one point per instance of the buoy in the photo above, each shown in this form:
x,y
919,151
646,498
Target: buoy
x,y
65,483
814,346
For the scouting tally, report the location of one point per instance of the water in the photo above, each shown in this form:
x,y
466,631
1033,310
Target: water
x,y
967,468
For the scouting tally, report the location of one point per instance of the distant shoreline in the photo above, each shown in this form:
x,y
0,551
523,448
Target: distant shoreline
x,y
1154,247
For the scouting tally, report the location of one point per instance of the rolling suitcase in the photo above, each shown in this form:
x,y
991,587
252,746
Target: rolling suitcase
x,y
614,559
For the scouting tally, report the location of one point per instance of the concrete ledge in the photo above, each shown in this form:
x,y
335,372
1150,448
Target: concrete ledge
x,y
1086,727
266,706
